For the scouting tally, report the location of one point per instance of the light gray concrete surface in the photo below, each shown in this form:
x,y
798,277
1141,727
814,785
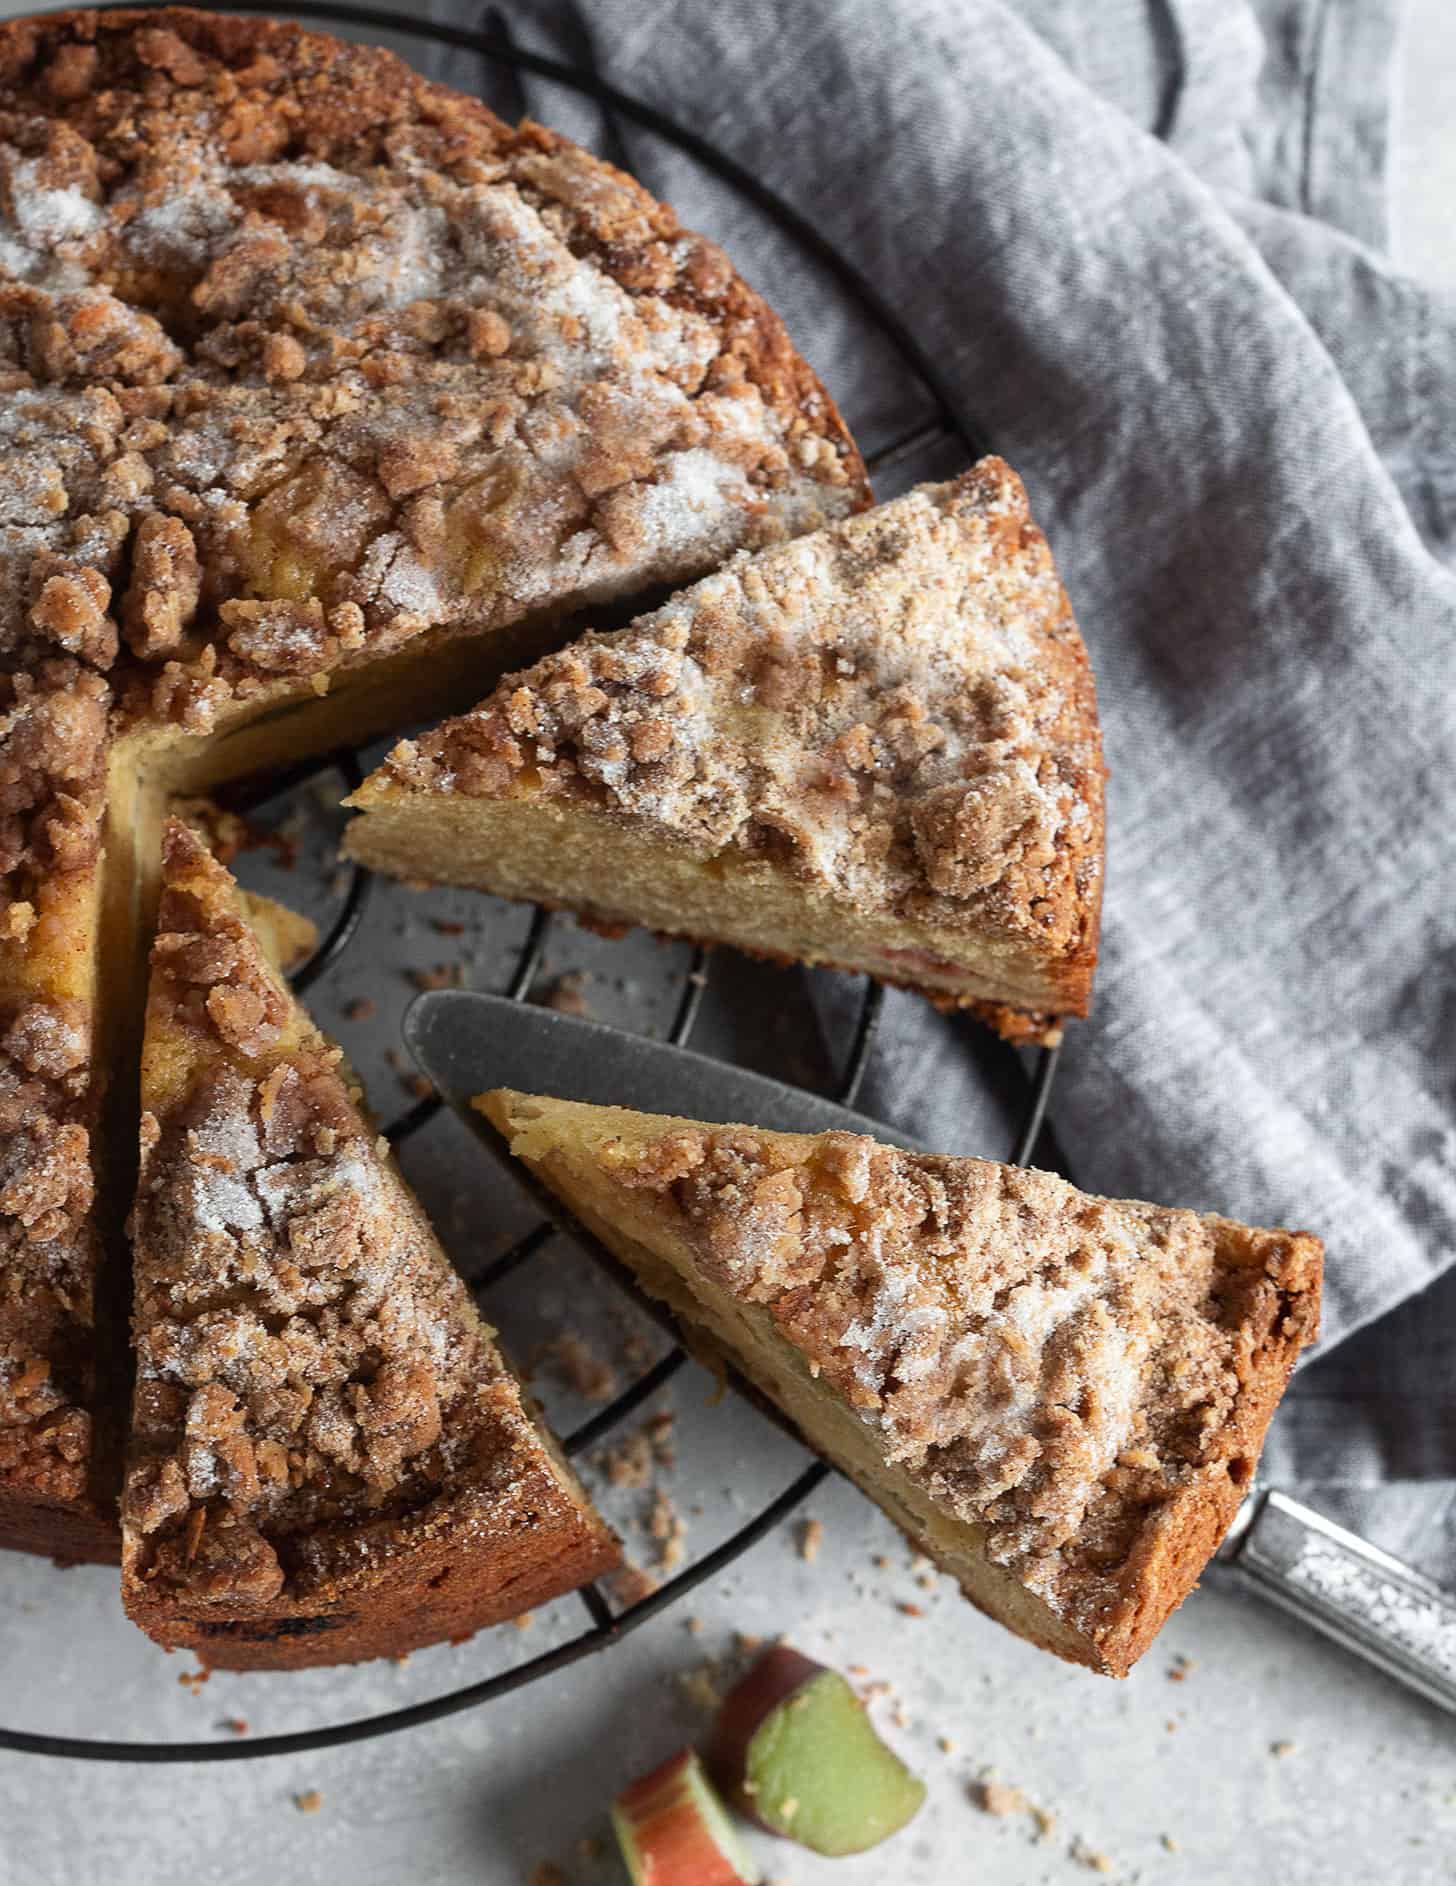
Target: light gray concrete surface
x,y
1243,1749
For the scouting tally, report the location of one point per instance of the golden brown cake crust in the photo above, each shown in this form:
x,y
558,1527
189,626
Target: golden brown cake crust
x,y
305,356
898,709
329,1460
1089,1380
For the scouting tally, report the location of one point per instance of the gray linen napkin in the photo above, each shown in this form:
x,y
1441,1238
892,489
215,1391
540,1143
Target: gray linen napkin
x,y
1141,238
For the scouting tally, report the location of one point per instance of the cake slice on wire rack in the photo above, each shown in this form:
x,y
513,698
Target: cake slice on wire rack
x,y
875,748
329,1458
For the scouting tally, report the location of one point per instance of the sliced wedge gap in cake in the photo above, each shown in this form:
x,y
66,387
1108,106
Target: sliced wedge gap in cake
x,y
1060,1398
329,1458
874,748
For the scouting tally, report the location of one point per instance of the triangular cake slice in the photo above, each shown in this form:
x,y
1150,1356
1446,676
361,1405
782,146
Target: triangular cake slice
x,y
876,748
329,1459
1059,1398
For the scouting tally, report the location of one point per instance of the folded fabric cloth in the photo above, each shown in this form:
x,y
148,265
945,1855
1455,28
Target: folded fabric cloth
x,y
1141,241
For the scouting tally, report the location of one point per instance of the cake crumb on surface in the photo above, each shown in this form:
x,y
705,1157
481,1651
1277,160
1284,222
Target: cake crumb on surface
x,y
580,1367
442,976
701,1686
998,1798
659,1428
565,994
1089,1857
630,1584
665,1525
810,1538
1281,1748
309,1802
628,1462
1168,1843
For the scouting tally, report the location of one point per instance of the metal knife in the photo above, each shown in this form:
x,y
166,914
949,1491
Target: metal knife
x,y
1330,1579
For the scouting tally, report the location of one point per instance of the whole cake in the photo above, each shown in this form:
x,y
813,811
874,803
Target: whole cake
x,y
1059,1398
324,395
328,1458
875,747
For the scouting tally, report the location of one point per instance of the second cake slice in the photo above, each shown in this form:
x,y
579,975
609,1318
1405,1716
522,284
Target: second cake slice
x,y
329,1459
875,748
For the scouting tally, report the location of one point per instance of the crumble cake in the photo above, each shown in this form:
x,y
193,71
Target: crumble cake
x,y
329,1460
324,395
1059,1398
875,747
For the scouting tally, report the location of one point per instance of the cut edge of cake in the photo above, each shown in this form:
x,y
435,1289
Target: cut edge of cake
x,y
874,748
329,1460
62,1362
1068,1439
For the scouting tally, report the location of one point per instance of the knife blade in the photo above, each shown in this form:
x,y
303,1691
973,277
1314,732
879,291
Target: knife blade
x,y
1277,1548
466,1042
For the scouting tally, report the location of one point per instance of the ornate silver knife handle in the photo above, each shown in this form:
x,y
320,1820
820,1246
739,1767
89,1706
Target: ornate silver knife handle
x,y
1348,1589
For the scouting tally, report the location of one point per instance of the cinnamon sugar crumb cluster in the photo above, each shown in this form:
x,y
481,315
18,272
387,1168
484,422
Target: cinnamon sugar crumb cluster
x,y
898,708
53,732
303,356
1051,1367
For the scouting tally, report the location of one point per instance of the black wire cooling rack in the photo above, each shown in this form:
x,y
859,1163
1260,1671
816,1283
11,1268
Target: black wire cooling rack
x,y
491,42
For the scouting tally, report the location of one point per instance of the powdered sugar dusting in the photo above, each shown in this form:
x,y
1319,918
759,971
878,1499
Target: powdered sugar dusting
x,y
46,218
697,498
224,1153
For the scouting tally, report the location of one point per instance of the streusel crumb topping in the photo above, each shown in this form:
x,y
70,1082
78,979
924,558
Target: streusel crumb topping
x,y
303,355
1050,1366
52,752
305,1353
49,1249
898,707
